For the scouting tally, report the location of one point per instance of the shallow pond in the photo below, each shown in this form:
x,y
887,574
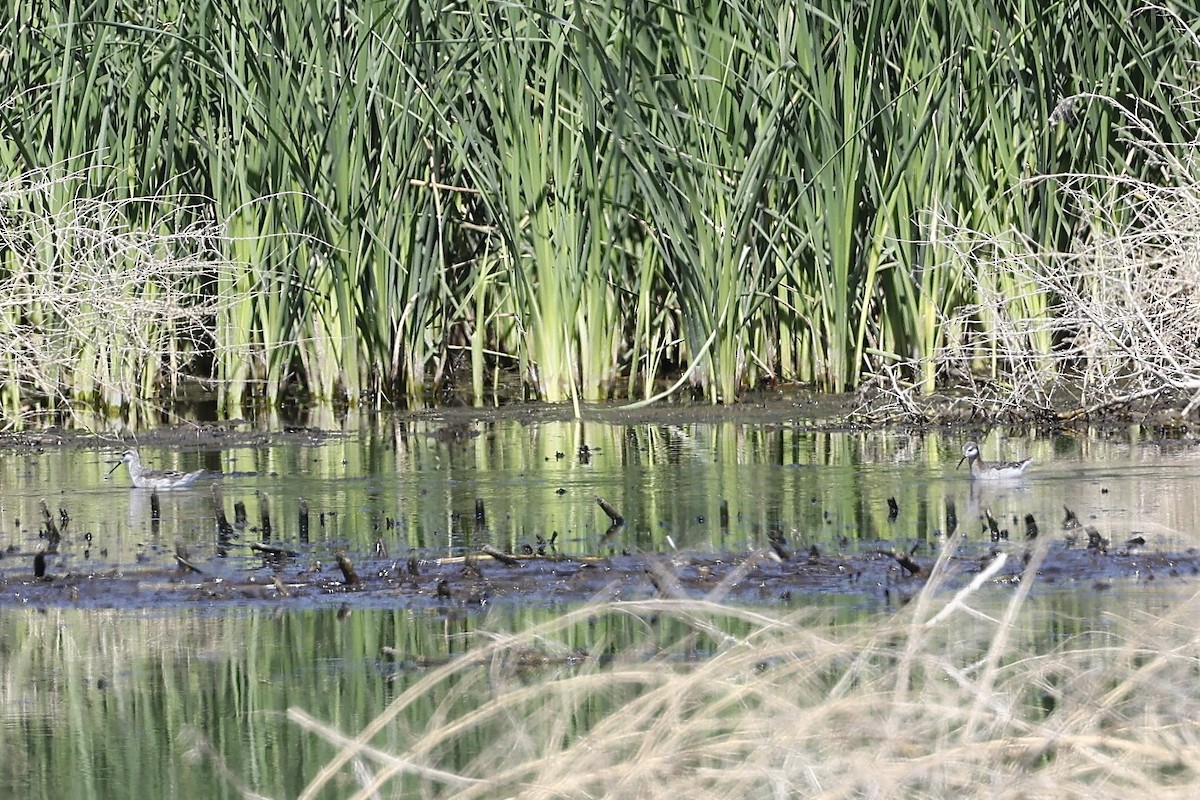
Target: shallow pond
x,y
202,666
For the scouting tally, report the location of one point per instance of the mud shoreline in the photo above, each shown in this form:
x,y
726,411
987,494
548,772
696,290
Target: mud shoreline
x,y
287,579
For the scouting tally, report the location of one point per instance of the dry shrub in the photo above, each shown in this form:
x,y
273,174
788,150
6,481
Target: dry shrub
x,y
100,298
1113,321
937,701
1125,306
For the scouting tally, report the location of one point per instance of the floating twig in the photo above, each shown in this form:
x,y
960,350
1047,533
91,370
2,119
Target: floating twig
x,y
272,550
50,528
183,559
544,544
994,526
613,514
224,529
1031,527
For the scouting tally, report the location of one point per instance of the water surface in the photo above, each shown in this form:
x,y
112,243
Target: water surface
x,y
162,700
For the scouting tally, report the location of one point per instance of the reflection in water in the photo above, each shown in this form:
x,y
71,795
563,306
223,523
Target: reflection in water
x,y
707,486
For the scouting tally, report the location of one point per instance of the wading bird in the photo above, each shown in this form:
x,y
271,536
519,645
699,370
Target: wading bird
x,y
985,470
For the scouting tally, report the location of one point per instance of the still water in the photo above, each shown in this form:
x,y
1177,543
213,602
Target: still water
x,y
126,698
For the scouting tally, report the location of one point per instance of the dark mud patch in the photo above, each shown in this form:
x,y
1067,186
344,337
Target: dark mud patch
x,y
288,580
181,437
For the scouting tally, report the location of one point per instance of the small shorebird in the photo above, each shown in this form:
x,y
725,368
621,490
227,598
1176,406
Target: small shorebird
x,y
144,478
985,470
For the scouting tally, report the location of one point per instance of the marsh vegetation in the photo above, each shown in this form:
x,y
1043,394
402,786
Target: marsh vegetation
x,y
404,202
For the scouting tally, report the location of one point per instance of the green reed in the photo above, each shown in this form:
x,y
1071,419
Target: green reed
x,y
594,195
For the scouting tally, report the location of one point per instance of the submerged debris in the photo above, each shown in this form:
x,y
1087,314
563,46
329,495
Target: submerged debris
x,y
908,563
348,574
50,530
272,550
1031,527
1070,521
779,545
501,556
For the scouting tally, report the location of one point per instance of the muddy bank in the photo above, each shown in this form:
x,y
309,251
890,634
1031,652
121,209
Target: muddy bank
x,y
213,436
278,577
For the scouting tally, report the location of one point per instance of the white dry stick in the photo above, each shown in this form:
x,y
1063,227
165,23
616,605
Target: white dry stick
x,y
966,591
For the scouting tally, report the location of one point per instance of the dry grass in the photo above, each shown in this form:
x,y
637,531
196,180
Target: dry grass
x,y
935,701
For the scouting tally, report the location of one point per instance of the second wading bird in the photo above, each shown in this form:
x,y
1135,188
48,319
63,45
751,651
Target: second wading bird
x,y
144,478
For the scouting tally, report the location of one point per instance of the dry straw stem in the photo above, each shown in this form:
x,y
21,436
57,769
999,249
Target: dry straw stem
x,y
789,704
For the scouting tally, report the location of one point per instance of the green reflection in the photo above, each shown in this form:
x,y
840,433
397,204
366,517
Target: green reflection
x,y
116,704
